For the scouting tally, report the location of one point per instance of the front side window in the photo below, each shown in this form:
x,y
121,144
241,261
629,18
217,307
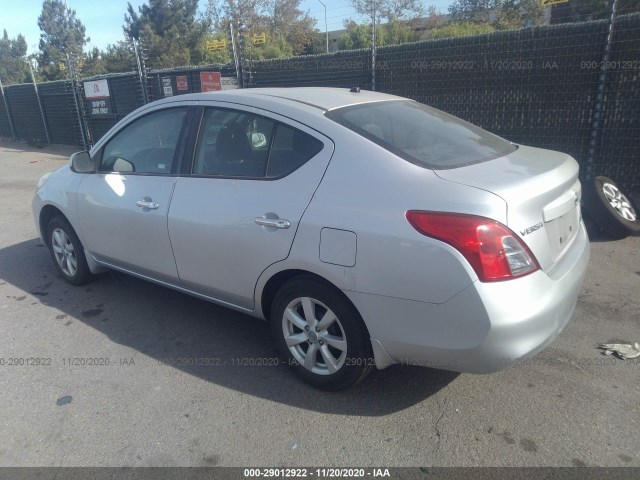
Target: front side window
x,y
233,143
421,134
147,145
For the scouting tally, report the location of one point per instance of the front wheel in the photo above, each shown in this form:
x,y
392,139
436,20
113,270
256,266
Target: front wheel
x,y
319,333
67,252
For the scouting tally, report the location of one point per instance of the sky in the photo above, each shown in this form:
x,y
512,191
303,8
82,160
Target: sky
x,y
104,18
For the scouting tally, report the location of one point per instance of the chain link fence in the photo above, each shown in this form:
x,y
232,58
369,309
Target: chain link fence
x,y
566,87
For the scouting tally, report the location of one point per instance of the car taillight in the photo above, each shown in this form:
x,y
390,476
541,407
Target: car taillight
x,y
494,251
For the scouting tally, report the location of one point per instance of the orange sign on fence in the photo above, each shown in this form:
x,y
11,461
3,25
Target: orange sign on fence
x,y
210,81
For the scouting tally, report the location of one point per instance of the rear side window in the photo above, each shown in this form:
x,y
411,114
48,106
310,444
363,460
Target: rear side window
x,y
233,143
421,134
291,149
146,145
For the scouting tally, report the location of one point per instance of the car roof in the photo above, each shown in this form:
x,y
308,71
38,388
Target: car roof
x,y
324,98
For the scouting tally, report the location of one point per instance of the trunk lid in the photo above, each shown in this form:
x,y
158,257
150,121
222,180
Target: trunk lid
x,y
542,192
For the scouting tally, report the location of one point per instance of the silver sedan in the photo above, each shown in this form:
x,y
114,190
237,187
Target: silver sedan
x,y
367,229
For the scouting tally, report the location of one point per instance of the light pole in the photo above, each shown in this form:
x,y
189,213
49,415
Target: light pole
x,y
326,31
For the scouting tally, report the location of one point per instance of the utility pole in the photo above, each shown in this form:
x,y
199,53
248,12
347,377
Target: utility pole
x,y
326,30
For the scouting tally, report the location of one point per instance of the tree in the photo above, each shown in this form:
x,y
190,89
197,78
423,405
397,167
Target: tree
x,y
394,32
389,9
275,47
292,24
512,14
584,10
218,56
434,18
13,68
356,36
460,29
169,30
62,34
118,57
473,11
289,30
500,14
248,13
91,64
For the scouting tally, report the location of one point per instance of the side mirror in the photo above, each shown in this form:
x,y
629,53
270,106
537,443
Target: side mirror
x,y
81,163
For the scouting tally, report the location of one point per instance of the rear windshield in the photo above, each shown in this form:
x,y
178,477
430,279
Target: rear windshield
x,y
422,135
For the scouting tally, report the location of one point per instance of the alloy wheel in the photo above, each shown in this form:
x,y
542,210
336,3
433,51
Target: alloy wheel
x,y
64,252
314,336
619,202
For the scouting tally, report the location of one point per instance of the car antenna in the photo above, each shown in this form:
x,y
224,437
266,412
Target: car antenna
x,y
355,90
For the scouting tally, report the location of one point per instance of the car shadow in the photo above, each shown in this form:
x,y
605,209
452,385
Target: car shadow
x,y
179,330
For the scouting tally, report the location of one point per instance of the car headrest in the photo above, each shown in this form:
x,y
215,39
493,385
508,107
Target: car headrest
x,y
232,144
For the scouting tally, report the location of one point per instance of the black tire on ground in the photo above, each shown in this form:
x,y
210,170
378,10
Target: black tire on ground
x,y
610,208
353,358
67,252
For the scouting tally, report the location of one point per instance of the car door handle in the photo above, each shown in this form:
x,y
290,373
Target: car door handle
x,y
148,204
273,222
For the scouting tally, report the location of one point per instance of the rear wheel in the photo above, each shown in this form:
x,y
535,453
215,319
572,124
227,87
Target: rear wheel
x,y
67,252
610,208
319,333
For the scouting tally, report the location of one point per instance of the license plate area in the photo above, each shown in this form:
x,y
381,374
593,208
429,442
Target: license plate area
x,y
562,230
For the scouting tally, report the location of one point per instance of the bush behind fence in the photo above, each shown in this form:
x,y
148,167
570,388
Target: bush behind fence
x,y
536,86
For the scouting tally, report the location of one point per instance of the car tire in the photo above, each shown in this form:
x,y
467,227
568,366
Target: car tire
x,y
610,208
67,252
308,315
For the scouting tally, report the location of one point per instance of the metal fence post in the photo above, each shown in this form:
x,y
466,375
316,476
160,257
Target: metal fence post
x,y
242,55
142,71
44,119
373,49
84,130
599,104
235,55
6,106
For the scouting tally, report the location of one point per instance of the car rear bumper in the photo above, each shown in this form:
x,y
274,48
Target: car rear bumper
x,y
483,329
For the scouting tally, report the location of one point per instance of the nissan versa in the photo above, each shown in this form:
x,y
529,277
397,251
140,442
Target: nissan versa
x,y
367,229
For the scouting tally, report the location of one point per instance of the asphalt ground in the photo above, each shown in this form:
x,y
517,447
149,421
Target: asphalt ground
x,y
160,402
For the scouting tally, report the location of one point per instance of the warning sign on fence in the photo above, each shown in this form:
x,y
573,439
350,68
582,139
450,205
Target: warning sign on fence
x,y
166,87
210,81
96,89
182,83
97,94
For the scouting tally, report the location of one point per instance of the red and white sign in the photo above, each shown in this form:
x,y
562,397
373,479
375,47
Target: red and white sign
x,y
210,81
182,83
96,89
